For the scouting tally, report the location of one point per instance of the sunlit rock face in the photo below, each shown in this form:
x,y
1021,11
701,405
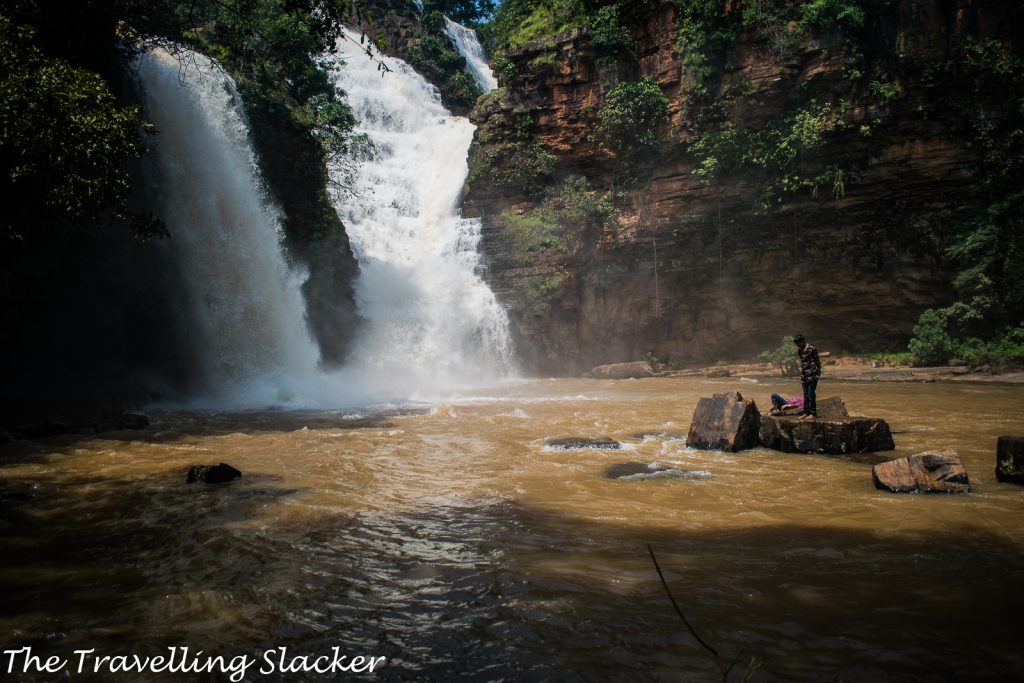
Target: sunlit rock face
x,y
693,270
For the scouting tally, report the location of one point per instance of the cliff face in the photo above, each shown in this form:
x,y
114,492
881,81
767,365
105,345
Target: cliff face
x,y
692,269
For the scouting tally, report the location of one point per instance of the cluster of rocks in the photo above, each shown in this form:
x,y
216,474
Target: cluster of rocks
x,y
729,422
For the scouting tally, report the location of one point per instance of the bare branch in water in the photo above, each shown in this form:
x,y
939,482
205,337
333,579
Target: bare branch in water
x,y
724,668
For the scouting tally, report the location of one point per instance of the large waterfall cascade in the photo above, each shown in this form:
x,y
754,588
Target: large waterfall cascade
x,y
241,317
431,320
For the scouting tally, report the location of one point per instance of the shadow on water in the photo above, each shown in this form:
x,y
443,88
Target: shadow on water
x,y
493,590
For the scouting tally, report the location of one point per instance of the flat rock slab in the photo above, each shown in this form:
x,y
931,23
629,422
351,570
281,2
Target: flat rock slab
x,y
940,472
573,442
1010,459
211,474
635,370
724,422
827,407
835,436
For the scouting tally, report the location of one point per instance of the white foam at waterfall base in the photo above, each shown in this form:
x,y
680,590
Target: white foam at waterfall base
x,y
241,315
431,321
468,45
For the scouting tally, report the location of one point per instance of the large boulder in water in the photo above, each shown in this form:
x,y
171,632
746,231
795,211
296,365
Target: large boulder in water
x,y
635,370
211,474
833,436
940,472
724,422
1010,459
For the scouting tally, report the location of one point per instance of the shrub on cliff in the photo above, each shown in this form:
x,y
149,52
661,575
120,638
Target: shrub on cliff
x,y
632,115
64,145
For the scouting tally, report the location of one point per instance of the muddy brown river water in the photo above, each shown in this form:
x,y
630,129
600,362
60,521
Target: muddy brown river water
x,y
447,538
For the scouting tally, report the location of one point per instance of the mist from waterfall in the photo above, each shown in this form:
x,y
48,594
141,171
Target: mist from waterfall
x,y
240,319
468,45
431,320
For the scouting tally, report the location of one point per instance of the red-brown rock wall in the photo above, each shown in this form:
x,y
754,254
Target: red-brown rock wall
x,y
852,273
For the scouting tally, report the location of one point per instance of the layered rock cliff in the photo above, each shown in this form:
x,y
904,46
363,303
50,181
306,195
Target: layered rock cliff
x,y
697,268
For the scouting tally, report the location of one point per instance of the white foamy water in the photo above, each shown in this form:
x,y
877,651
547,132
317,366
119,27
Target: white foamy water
x,y
468,45
241,312
431,320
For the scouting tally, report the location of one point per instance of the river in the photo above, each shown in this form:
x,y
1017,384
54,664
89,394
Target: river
x,y
445,536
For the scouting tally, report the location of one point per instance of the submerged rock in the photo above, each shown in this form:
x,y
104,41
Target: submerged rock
x,y
1010,459
941,472
211,474
634,370
629,469
572,442
833,436
724,422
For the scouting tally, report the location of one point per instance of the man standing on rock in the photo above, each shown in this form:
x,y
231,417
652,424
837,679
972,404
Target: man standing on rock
x,y
810,371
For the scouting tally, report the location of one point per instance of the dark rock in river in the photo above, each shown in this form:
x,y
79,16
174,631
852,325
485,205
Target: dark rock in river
x,y
1010,459
635,370
629,469
941,472
834,436
570,442
212,474
724,422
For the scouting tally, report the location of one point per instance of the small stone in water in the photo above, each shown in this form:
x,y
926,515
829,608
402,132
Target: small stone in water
x,y
571,442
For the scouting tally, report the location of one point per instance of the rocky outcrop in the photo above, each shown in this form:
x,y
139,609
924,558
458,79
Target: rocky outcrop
x,y
634,370
212,474
834,436
725,422
940,472
1010,459
576,442
691,270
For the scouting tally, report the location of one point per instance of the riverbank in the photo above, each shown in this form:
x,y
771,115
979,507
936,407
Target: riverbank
x,y
859,368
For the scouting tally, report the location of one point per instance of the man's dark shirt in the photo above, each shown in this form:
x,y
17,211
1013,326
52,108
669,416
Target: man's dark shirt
x,y
810,364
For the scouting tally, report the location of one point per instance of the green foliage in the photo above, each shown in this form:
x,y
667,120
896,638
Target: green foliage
x,y
436,59
505,69
705,31
894,359
64,143
557,223
631,116
827,14
783,357
610,38
517,22
465,12
540,290
931,344
786,153
885,92
522,167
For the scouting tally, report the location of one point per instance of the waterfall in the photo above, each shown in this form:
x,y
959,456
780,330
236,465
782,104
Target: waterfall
x,y
241,311
468,45
431,320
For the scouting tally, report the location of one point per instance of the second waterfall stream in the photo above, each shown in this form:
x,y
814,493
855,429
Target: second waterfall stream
x,y
431,321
